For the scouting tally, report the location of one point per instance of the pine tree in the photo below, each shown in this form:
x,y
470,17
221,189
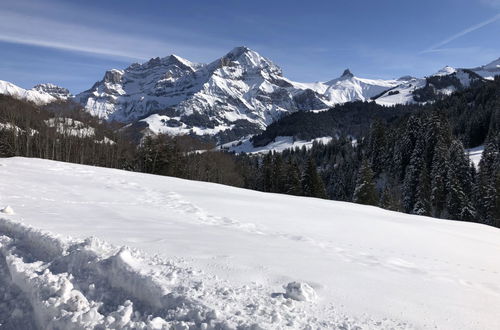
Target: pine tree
x,y
292,185
422,199
312,184
365,192
267,172
439,172
459,185
488,190
412,175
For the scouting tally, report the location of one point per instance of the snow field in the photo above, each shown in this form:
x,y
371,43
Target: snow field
x,y
237,253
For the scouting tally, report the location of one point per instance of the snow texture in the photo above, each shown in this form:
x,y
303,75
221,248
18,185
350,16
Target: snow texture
x,y
152,252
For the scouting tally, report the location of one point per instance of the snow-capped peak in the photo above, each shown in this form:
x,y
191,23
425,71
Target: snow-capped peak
x,y
248,59
447,70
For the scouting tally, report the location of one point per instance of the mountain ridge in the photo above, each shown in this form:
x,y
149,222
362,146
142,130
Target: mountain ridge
x,y
235,95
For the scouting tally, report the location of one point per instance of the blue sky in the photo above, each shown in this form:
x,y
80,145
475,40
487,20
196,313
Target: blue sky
x,y
72,43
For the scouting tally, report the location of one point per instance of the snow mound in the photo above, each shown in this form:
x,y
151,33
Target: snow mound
x,y
300,291
7,210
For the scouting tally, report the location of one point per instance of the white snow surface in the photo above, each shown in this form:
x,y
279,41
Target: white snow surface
x,y
159,124
279,144
490,70
69,126
403,93
202,255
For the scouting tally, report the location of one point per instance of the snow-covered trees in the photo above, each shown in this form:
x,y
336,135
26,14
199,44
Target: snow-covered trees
x,y
488,183
312,184
365,192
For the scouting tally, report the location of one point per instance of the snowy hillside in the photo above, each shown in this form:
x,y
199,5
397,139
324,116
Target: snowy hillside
x,y
490,70
40,94
205,256
280,144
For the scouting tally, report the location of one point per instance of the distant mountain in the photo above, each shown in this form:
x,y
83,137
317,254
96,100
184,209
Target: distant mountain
x,y
241,91
421,90
40,94
239,94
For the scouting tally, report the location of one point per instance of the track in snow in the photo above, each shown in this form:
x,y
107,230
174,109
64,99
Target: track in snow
x,y
52,283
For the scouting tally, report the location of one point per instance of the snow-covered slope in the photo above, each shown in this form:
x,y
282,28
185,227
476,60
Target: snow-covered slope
x,y
224,255
69,126
40,94
280,144
349,88
490,70
421,90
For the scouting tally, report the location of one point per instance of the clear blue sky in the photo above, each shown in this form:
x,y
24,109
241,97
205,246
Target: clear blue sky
x,y
72,43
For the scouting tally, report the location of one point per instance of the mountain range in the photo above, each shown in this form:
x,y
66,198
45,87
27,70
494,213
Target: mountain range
x,y
238,94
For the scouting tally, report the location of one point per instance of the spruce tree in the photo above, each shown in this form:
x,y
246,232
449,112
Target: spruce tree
x,y
312,184
412,175
459,185
439,172
422,203
488,190
292,184
365,192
